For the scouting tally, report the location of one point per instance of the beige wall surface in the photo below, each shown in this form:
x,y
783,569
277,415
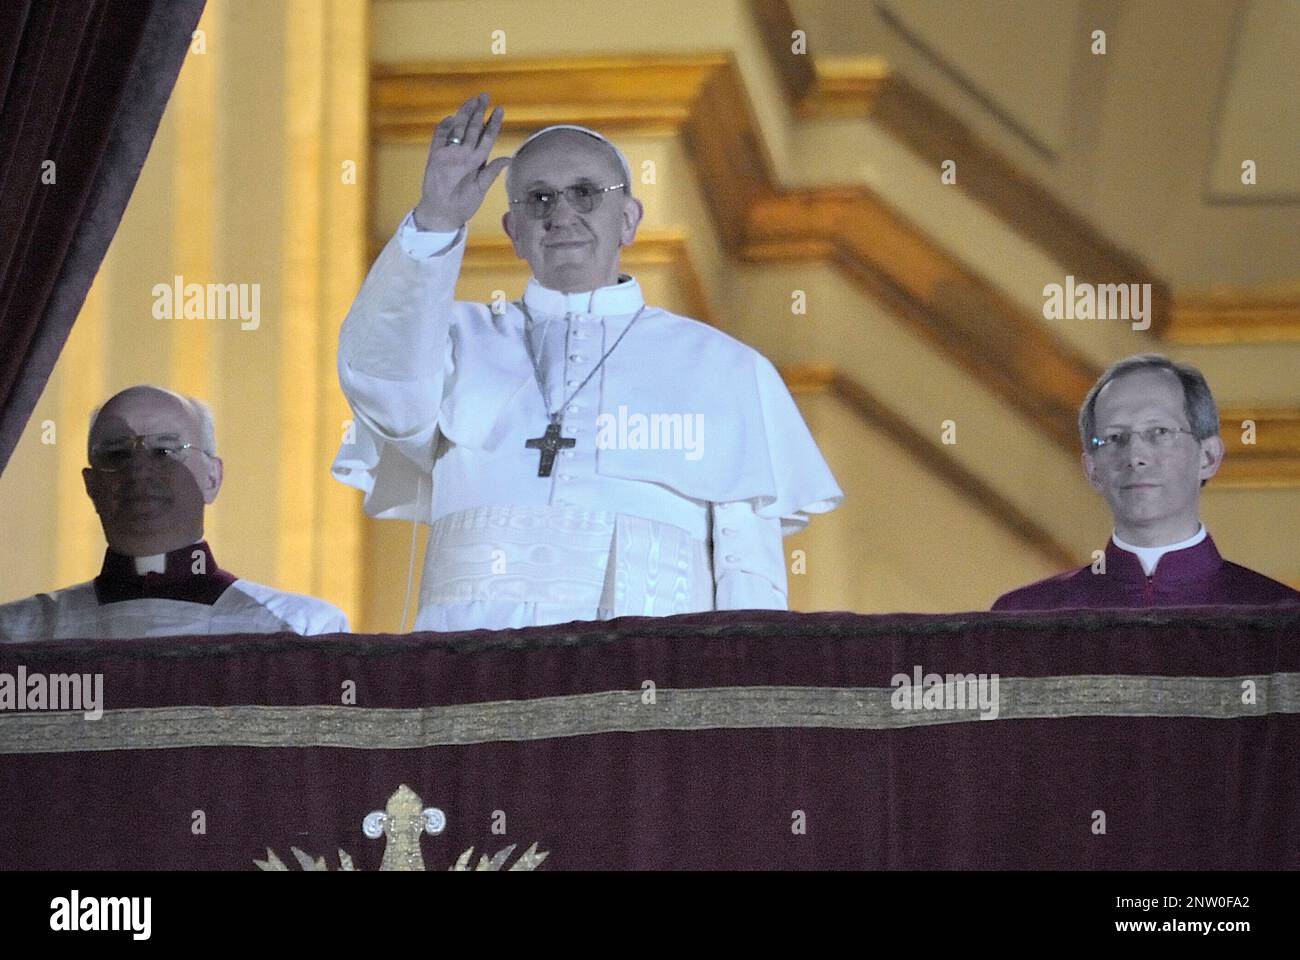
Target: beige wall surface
x,y
1146,140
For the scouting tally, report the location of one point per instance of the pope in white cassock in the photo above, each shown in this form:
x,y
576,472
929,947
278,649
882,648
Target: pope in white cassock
x,y
579,454
153,470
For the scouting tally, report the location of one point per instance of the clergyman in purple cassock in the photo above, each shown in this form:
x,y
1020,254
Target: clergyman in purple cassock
x,y
1150,430
1191,576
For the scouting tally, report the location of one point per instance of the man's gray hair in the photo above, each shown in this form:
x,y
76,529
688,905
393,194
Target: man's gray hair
x,y
201,411
1198,402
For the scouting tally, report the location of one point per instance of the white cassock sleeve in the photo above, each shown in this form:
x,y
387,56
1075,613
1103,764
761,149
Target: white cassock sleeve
x,y
393,363
748,559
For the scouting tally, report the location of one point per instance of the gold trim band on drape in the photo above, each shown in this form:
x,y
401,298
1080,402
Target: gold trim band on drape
x,y
625,711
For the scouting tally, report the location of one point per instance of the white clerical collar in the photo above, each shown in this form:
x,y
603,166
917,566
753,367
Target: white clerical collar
x,y
1150,556
155,563
613,300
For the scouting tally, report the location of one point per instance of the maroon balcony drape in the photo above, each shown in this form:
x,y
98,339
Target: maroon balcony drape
x,y
1126,739
83,84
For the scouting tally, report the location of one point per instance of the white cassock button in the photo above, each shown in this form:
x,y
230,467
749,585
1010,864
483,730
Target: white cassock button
x,y
572,383
568,453
728,531
574,408
576,357
561,503
566,476
579,335
732,558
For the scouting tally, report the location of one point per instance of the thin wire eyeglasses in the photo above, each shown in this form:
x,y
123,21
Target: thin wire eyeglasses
x,y
115,455
1116,441
584,197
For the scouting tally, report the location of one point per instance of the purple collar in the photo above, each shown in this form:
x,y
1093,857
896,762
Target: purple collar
x,y
118,581
1187,565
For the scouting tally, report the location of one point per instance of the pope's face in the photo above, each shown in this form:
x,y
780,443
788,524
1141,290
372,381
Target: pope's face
x,y
1153,490
149,502
570,250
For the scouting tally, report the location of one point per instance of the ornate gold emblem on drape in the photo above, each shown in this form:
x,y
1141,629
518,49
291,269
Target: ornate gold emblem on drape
x,y
402,822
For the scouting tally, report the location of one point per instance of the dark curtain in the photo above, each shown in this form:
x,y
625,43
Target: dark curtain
x,y
1122,740
83,84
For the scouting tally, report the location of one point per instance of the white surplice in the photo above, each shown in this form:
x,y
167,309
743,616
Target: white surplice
x,y
445,397
201,605
245,607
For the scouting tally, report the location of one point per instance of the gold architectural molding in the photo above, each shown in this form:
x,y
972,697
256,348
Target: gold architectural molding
x,y
650,94
871,88
1233,316
297,383
1271,458
197,196
871,410
318,547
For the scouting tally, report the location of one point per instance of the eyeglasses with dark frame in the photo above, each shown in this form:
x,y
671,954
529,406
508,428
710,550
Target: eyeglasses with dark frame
x,y
1116,441
113,456
583,196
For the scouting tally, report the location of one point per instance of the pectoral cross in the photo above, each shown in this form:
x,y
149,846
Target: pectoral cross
x,y
549,443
